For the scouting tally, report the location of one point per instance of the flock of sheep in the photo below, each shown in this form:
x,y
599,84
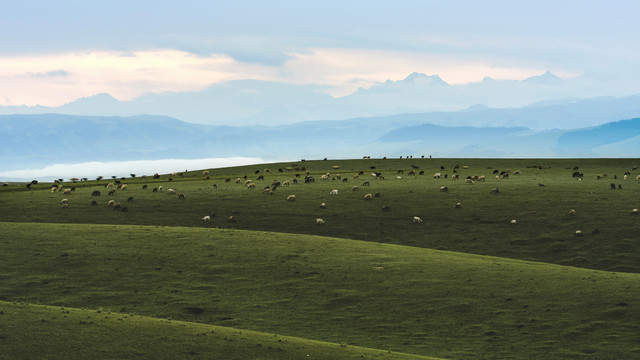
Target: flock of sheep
x,y
117,186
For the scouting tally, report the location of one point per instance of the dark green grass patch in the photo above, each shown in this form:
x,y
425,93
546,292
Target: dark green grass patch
x,y
46,332
356,293
544,230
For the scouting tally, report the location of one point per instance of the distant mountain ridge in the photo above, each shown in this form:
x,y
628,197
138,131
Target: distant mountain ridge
x,y
40,140
256,102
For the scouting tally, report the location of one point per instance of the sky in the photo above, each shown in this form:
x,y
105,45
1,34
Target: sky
x,y
53,53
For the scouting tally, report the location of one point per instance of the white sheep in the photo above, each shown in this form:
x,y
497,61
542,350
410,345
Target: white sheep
x,y
286,183
206,172
334,192
634,212
578,233
64,201
160,188
444,188
206,218
355,188
323,206
458,205
437,175
417,219
513,222
319,221
171,191
246,183
572,212
111,203
251,186
368,196
291,198
638,177
468,181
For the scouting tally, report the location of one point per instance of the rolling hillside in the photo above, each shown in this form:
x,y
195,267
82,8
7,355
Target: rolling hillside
x,y
464,283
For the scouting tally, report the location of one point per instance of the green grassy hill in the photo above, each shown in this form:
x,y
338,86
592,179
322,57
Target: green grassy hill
x,y
366,277
383,296
67,333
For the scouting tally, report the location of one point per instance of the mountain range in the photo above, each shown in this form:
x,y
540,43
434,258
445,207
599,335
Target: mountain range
x,y
255,102
31,141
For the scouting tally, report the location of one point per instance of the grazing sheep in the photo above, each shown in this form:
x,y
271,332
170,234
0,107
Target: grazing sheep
x,y
334,192
64,201
437,175
291,198
206,218
517,172
455,176
130,199
355,188
481,178
95,193
323,206
65,205
160,188
638,177
53,189
94,203
368,196
513,222
154,190
251,186
267,190
122,186
144,187
444,189
624,177
377,195
67,192
171,191
468,181
319,221
458,205
116,206
286,183
181,196
417,220
366,183
578,233
494,191
572,212
386,207
206,172
541,184
634,212
111,202
111,192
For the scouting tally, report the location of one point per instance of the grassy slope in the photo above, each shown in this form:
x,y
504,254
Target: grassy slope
x,y
384,296
67,333
544,231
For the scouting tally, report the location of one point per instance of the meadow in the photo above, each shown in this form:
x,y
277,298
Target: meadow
x,y
466,283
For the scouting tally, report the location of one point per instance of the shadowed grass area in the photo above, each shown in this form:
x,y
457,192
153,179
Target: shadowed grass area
x,y
544,230
383,296
67,333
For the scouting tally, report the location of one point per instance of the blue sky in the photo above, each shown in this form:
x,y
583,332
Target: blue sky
x,y
55,52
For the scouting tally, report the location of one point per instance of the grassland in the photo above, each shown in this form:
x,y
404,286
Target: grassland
x,y
367,277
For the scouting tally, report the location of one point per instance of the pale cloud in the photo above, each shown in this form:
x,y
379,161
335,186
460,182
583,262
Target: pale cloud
x,y
56,79
339,67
